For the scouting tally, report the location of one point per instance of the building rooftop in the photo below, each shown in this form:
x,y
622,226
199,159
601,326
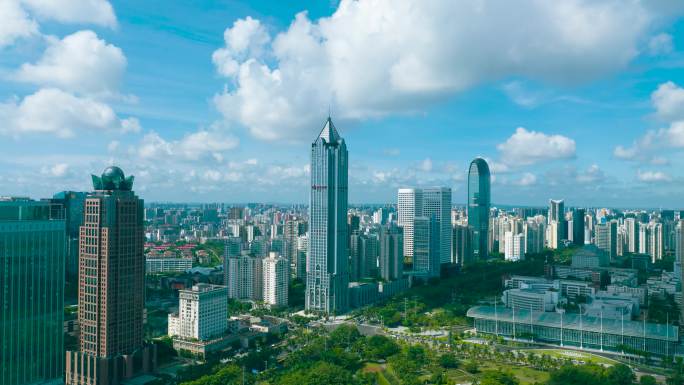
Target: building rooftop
x,y
23,209
112,178
329,132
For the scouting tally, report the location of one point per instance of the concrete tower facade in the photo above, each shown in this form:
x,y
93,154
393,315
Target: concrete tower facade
x,y
111,293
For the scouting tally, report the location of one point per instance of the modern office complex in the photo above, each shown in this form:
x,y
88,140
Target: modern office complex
x,y
32,256
582,331
276,278
409,206
479,199
461,245
428,203
391,259
111,294
327,279
426,239
556,218
606,238
437,204
578,226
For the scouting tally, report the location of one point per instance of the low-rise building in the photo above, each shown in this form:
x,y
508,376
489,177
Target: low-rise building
x,y
536,298
157,265
576,330
639,292
572,289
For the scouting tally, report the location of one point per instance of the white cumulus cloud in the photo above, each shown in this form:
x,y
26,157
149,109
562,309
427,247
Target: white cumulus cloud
x,y
668,101
15,23
529,147
193,146
57,170
377,57
246,38
79,62
527,179
99,12
653,176
53,111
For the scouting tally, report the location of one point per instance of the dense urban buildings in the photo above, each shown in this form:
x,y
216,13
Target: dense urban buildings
x,y
111,293
609,266
479,200
33,246
327,276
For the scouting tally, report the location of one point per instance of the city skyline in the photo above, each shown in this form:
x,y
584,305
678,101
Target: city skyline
x,y
598,125
352,192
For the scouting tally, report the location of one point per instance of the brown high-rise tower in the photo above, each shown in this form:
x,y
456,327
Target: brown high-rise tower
x,y
111,294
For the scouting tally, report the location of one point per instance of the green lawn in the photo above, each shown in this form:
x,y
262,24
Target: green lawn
x,y
574,355
526,376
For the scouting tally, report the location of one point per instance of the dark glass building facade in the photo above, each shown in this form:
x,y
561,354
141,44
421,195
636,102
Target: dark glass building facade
x,y
578,226
73,203
32,254
479,201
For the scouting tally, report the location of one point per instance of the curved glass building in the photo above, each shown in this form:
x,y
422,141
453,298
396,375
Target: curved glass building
x,y
479,199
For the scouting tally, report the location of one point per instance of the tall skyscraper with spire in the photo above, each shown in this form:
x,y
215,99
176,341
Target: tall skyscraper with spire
x,y
479,199
327,278
111,293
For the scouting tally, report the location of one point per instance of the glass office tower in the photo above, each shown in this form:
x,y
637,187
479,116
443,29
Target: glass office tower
x,y
327,278
479,200
32,257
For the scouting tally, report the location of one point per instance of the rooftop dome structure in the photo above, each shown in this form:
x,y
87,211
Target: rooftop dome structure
x,y
113,178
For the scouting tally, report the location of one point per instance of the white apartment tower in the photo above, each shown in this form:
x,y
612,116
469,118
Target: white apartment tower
x,y
515,246
244,277
276,274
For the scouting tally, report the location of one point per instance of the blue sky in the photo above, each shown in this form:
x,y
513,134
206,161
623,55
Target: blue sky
x,y
219,100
